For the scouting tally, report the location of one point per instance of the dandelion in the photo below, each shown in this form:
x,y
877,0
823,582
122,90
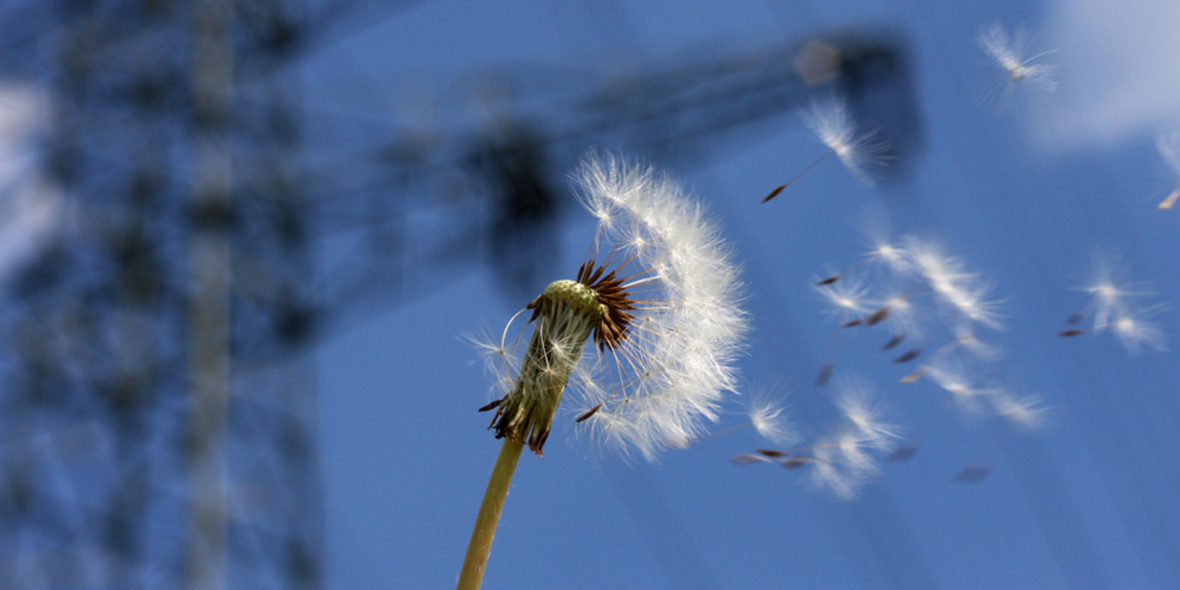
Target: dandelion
x,y
1169,148
1011,53
658,295
835,128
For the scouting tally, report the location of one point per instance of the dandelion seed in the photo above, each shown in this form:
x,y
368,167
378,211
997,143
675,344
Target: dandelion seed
x,y
1028,413
957,289
878,316
1169,148
972,473
908,356
893,256
796,462
913,377
1135,332
768,416
747,459
1112,307
842,464
966,339
1010,52
825,374
952,377
832,124
902,453
855,400
846,298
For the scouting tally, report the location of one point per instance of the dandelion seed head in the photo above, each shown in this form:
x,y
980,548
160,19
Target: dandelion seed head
x,y
659,295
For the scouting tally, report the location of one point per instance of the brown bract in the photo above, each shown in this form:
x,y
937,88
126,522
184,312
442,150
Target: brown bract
x,y
617,303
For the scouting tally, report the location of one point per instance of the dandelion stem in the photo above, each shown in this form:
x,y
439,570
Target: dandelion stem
x,y
471,577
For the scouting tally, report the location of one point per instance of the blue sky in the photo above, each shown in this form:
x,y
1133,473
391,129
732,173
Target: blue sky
x,y
1025,194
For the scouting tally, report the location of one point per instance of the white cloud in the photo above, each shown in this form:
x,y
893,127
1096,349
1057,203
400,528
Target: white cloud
x,y
1120,68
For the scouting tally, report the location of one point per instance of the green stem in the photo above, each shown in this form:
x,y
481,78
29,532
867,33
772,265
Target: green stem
x,y
471,577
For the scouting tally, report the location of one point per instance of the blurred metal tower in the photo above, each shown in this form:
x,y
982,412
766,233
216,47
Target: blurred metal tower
x,y
141,446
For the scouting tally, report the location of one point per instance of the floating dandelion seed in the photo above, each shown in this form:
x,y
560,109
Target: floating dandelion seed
x,y
842,461
842,464
954,378
955,288
747,458
846,298
973,473
835,128
902,453
1135,331
1011,53
769,417
1027,413
766,413
927,296
855,400
1169,148
1112,307
658,294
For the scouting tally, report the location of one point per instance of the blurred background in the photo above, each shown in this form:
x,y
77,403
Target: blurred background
x,y
242,243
